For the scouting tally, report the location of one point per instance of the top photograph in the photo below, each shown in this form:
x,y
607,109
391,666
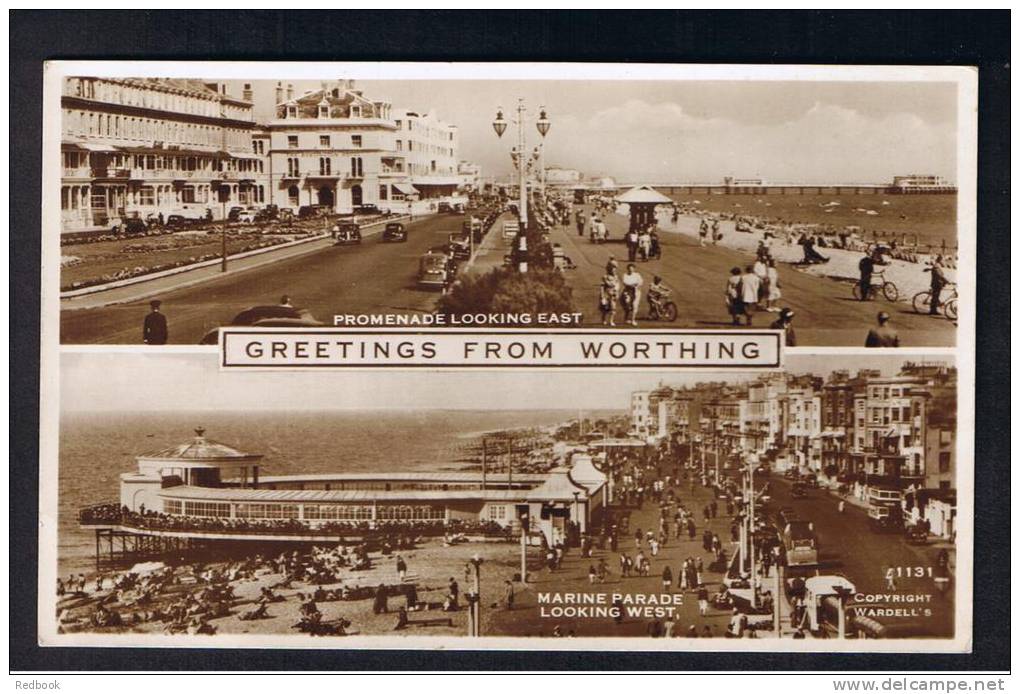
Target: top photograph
x,y
833,209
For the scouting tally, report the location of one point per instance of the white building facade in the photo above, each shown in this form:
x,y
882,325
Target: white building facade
x,y
140,147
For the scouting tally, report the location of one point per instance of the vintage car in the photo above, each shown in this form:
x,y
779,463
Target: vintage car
x,y
346,234
444,207
267,316
460,245
435,270
131,225
369,208
916,535
394,231
799,490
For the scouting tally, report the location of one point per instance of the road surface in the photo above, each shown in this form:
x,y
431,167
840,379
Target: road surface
x,y
850,547
374,277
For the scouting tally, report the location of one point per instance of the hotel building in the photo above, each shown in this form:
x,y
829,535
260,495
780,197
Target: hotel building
x,y
138,147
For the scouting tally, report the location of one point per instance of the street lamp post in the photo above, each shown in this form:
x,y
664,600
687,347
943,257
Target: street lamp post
x,y
520,157
475,598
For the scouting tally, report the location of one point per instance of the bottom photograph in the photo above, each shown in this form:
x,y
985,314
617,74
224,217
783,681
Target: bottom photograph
x,y
814,502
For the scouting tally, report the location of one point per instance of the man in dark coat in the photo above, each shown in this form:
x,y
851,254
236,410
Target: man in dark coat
x,y
154,330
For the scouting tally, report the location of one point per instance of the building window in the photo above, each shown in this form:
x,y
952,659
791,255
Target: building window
x,y
384,193
945,458
172,506
400,145
356,140
206,509
324,166
497,512
323,140
357,169
293,196
146,196
293,167
292,112
292,141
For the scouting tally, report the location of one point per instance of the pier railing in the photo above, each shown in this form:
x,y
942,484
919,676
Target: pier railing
x,y
112,514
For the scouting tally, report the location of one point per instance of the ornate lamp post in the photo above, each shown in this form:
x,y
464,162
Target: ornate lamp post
x,y
500,125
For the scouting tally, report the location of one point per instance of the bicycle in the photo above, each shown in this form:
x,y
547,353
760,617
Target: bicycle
x,y
661,309
878,282
948,305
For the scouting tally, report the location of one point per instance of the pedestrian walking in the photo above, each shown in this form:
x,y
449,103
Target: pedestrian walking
x,y
882,335
401,569
667,578
508,594
734,305
592,574
774,293
703,232
631,296
632,244
154,328
609,292
703,601
785,323
750,287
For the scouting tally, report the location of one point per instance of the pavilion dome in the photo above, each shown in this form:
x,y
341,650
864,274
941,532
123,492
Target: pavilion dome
x,y
643,194
201,449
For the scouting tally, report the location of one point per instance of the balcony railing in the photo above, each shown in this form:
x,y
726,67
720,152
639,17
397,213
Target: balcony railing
x,y
77,172
111,172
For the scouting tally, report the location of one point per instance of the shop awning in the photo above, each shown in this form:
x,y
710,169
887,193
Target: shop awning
x,y
241,155
406,188
88,147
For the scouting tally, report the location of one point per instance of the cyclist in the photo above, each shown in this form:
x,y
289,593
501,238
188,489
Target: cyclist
x,y
938,281
658,294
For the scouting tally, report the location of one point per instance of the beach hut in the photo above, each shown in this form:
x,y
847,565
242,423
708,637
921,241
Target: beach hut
x,y
642,201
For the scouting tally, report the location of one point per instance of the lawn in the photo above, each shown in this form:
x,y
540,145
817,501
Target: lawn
x,y
105,261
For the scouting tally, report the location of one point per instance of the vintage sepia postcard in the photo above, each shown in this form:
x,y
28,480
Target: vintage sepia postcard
x,y
508,356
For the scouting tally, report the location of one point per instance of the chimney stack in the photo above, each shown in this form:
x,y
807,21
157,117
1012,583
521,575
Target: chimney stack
x,y
279,92
246,94
290,92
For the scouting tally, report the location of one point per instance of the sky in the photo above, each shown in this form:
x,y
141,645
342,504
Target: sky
x,y
687,131
102,381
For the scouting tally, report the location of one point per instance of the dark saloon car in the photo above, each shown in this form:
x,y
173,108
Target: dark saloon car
x,y
369,208
132,225
346,234
269,316
394,231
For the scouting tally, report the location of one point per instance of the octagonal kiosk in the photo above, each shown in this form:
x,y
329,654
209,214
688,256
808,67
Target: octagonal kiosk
x,y
196,463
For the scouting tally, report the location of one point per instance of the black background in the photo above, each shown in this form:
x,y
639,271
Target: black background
x,y
977,38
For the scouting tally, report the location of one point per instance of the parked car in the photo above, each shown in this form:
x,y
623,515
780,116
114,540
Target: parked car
x,y
369,208
799,490
434,270
177,221
346,234
444,207
309,211
131,225
233,213
268,316
248,216
394,231
460,245
267,213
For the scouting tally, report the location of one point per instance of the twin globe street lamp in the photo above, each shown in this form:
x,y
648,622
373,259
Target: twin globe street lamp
x,y
521,164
